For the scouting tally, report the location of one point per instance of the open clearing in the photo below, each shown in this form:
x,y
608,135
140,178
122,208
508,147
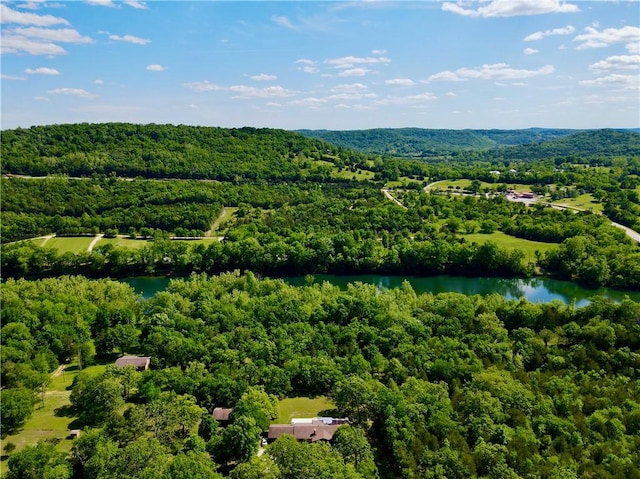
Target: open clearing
x,y
48,422
583,202
302,407
511,242
70,244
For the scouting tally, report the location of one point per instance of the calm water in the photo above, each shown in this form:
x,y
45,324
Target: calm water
x,y
536,290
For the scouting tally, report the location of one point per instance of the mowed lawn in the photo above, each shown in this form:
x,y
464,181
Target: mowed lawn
x,y
50,421
302,407
70,244
511,242
582,202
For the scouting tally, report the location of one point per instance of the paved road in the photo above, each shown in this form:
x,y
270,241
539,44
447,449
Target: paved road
x,y
95,240
392,198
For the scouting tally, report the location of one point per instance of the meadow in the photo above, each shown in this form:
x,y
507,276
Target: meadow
x,y
302,407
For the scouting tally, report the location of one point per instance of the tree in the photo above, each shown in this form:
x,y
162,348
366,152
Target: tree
x,y
16,406
309,460
262,467
239,441
96,398
356,398
191,465
259,405
41,461
352,444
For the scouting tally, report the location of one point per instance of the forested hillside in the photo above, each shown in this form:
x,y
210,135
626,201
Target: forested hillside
x,y
161,151
434,385
418,142
535,143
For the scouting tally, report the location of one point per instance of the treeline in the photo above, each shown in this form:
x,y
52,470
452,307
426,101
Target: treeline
x,y
442,385
591,260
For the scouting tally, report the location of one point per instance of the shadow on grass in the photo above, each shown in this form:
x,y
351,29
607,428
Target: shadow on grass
x,y
328,413
65,411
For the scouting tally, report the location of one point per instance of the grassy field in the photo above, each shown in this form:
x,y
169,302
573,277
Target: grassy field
x,y
53,420
71,244
80,244
302,407
464,184
583,202
511,242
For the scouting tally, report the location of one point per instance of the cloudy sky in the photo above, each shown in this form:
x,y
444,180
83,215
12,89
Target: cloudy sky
x,y
332,65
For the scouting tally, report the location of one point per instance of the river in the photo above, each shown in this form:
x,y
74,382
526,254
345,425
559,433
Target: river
x,y
536,290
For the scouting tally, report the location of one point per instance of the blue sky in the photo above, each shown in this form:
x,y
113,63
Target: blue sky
x,y
332,65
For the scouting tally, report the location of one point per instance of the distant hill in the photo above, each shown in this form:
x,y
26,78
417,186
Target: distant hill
x,y
419,142
592,143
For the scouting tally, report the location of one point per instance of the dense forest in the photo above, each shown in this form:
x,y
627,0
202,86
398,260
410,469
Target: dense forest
x,y
434,385
305,206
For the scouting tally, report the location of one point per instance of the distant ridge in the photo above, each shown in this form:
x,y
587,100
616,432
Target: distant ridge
x,y
425,143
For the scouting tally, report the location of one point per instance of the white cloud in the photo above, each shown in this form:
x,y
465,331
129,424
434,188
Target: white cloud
x,y
511,8
241,91
264,77
42,71
623,81
40,98
349,87
155,68
98,82
309,66
10,77
450,93
568,30
310,102
63,35
72,92
283,21
400,82
7,15
136,4
406,100
378,52
530,51
19,43
130,39
354,72
444,76
497,71
35,5
246,92
620,62
633,47
592,38
102,3
351,61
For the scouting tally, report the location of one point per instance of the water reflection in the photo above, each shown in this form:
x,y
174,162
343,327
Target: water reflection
x,y
536,290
